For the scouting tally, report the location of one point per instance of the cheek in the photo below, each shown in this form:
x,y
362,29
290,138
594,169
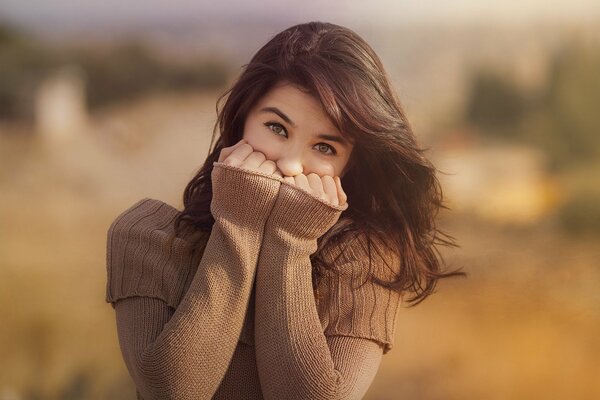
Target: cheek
x,y
252,133
322,168
249,130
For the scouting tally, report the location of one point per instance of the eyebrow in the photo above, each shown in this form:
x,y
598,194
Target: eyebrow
x,y
333,138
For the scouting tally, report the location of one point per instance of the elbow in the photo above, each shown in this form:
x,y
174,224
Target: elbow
x,y
153,386
158,380
331,388
174,388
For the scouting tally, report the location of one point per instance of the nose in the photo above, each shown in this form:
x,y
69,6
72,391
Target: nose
x,y
290,164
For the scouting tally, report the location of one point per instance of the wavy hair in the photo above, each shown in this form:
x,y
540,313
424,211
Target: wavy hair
x,y
340,69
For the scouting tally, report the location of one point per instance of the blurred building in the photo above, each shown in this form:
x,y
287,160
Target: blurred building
x,y
504,183
60,109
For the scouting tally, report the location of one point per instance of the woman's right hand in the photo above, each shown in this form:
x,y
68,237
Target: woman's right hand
x,y
242,155
244,186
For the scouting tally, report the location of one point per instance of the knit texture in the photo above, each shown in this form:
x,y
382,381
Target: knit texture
x,y
236,317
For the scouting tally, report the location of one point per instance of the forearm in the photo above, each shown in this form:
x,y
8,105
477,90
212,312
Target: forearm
x,y
292,352
188,356
191,354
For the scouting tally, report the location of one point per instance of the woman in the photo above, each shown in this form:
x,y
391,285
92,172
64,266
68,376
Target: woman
x,y
311,218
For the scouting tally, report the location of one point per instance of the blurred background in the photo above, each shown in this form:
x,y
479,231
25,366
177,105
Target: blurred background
x,y
103,103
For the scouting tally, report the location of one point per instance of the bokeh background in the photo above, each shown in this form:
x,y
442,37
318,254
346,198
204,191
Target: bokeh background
x,y
103,103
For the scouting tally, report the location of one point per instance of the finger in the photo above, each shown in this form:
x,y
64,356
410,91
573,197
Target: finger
x,y
270,168
267,166
330,189
226,151
239,155
289,179
301,180
316,185
254,160
342,197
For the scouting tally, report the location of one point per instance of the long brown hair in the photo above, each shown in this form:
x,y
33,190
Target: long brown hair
x,y
340,69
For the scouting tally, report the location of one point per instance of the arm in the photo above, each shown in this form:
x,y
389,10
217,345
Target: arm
x,y
187,357
139,322
296,360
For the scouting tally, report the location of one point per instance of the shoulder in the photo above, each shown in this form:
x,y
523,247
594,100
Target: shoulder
x,y
144,213
144,257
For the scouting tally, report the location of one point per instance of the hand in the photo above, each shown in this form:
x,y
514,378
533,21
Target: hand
x,y
327,188
241,174
242,155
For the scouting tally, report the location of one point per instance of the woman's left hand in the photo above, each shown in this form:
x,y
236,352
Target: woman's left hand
x,y
327,188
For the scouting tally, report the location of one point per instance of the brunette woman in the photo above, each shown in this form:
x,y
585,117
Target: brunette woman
x,y
310,222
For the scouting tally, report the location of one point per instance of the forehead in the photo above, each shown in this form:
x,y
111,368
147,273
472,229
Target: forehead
x,y
287,93
297,104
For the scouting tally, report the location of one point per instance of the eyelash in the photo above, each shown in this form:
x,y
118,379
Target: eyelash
x,y
270,124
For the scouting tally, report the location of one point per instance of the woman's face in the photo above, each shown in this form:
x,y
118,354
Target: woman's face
x,y
290,128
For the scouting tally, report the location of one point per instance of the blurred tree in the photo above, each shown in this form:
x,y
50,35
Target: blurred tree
x,y
23,63
495,104
122,73
581,212
125,71
131,70
567,112
561,119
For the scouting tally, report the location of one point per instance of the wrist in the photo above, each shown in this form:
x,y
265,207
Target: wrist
x,y
241,195
303,214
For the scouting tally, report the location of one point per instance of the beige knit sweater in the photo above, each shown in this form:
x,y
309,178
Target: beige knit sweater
x,y
237,317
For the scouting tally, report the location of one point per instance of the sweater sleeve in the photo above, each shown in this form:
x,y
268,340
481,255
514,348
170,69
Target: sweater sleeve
x,y
353,304
301,354
185,355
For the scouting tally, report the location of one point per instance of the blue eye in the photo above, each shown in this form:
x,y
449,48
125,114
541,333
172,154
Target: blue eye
x,y
271,125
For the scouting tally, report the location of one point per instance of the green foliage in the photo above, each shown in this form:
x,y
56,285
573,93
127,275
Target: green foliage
x,y
125,71
581,213
130,70
569,105
561,118
23,64
495,103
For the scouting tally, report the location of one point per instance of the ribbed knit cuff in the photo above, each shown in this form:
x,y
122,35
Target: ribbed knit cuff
x,y
303,214
241,195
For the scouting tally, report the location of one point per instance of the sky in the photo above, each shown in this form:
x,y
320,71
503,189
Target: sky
x,y
383,12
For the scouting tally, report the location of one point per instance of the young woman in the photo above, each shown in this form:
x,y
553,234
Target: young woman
x,y
309,222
